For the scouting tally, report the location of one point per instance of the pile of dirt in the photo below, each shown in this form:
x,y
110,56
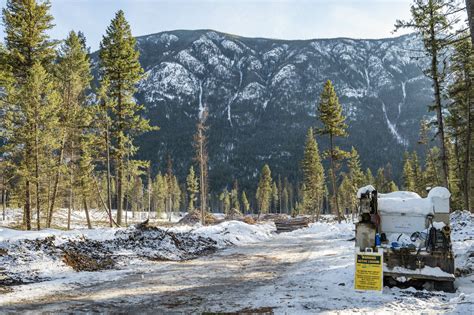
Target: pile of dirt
x,y
157,244
87,255
25,258
234,214
194,217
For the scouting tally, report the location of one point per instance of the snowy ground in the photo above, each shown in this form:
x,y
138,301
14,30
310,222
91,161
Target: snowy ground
x,y
99,218
306,271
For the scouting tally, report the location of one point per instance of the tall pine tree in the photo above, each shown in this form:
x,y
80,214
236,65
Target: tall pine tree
x,y
461,119
120,71
73,76
330,114
32,102
434,21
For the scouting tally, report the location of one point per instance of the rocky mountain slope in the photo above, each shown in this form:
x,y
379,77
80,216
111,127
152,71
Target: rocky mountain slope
x,y
262,96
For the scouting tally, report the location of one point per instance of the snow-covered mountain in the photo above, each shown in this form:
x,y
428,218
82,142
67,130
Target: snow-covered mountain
x,y
262,96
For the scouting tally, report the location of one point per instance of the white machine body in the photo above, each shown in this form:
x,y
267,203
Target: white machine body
x,y
406,212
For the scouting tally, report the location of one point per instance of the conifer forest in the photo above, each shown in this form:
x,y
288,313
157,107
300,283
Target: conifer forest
x,y
195,171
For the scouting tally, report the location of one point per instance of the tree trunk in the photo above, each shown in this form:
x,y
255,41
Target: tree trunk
x,y
120,152
71,200
69,213
169,208
119,190
108,211
149,191
127,193
37,179
71,188
467,157
27,212
86,209
4,200
318,212
56,183
438,105
109,192
333,177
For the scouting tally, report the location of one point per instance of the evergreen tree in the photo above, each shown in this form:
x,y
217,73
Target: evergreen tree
x,y
346,194
369,178
424,135
192,187
313,176
392,186
355,179
234,196
264,190
408,174
380,182
26,26
245,202
202,157
159,194
461,118
31,100
275,197
85,169
226,201
432,168
418,179
285,200
355,172
120,72
73,76
136,195
454,180
175,192
330,114
434,21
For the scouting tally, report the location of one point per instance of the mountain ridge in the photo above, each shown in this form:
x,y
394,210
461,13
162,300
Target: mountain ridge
x,y
204,30
262,95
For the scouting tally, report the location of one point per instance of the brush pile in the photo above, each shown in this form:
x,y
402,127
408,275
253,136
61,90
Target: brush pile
x,y
47,257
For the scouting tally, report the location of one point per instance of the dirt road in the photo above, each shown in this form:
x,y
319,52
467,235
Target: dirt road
x,y
299,273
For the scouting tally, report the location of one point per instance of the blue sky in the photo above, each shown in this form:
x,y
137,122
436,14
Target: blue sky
x,y
285,19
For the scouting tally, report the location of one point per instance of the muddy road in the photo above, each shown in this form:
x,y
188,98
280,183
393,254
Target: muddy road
x,y
303,272
228,280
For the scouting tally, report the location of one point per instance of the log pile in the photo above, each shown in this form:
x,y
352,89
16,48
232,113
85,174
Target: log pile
x,y
292,224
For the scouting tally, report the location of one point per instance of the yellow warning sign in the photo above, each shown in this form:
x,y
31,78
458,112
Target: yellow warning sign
x,y
369,271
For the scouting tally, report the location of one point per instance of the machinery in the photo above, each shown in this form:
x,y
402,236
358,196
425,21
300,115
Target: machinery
x,y
414,234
